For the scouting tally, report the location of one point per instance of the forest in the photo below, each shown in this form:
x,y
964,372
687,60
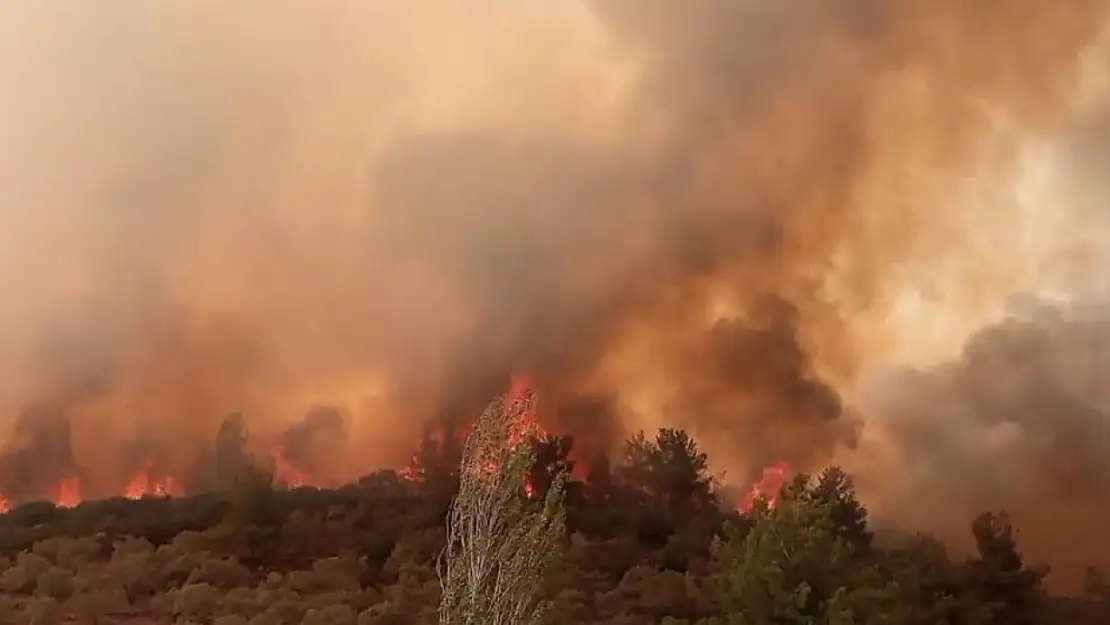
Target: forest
x,y
644,538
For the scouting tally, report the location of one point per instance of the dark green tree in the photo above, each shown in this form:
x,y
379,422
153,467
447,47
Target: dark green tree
x,y
669,467
835,489
917,583
231,456
785,569
1000,576
252,498
599,478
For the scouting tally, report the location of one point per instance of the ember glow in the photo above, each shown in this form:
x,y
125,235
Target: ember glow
x,y
285,472
525,428
769,486
67,492
145,483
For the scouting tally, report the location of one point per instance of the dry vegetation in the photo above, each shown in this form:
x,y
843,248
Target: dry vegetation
x,y
644,542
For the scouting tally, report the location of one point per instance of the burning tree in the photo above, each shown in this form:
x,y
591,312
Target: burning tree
x,y
501,545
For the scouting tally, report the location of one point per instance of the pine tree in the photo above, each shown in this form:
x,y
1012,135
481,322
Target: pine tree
x,y
1001,576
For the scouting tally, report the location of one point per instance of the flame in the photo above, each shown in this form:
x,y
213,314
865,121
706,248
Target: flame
x,y
525,427
528,424
769,485
285,472
67,492
145,483
411,471
519,383
142,484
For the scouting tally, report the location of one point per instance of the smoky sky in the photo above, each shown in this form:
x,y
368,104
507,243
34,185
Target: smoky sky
x,y
705,215
1020,421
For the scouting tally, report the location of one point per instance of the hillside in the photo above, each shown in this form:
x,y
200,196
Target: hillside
x,y
640,550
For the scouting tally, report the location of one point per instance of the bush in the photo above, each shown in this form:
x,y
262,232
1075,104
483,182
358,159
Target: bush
x,y
55,583
366,556
197,601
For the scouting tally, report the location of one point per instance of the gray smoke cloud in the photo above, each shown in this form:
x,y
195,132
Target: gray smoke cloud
x,y
1020,422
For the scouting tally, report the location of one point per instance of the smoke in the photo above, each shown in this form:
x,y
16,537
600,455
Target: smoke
x,y
702,215
1021,422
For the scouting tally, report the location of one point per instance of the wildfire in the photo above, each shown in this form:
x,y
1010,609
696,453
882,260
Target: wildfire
x,y
770,484
526,426
66,492
143,484
285,472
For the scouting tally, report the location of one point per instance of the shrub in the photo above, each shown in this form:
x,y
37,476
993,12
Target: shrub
x,y
219,573
44,611
22,576
55,583
199,601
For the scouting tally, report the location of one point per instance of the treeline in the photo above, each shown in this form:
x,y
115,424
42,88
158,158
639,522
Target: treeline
x,y
645,540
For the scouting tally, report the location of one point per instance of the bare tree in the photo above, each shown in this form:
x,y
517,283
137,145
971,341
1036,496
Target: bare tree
x,y
501,545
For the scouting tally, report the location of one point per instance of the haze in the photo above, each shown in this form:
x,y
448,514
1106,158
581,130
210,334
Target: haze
x,y
731,216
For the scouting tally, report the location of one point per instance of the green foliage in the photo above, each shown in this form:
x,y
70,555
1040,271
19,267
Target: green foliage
x,y
1013,590
784,570
835,490
669,467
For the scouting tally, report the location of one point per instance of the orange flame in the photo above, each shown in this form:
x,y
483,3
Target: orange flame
x,y
142,484
286,472
526,426
774,477
67,492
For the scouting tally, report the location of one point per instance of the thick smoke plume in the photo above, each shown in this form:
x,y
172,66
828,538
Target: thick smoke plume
x,y
709,215
1021,422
